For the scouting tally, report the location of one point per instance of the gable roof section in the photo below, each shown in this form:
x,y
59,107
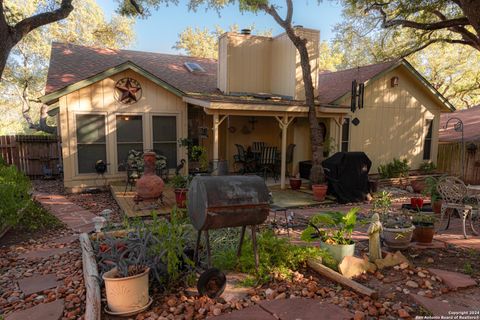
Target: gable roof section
x,y
332,86
71,64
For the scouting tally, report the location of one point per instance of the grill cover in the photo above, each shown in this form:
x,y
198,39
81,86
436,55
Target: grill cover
x,y
227,201
347,176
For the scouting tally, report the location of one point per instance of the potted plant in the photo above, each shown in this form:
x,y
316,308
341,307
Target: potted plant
x,y
127,280
424,228
435,197
397,227
329,146
199,159
180,187
295,182
336,238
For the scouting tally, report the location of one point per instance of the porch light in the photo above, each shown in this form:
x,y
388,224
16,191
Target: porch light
x,y
394,82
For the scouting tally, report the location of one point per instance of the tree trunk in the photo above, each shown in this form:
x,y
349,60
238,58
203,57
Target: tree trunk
x,y
471,9
316,134
6,47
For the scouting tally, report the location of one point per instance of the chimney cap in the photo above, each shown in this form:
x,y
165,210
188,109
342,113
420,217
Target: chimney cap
x,y
298,26
246,31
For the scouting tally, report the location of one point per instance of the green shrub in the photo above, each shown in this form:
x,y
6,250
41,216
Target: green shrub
x,y
14,195
427,167
395,169
339,227
276,256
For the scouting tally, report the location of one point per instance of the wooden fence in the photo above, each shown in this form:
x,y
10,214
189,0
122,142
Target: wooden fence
x,y
450,160
31,154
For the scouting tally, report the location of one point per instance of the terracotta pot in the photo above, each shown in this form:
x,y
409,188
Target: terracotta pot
x,y
437,206
423,234
418,185
149,186
126,294
319,191
181,197
295,183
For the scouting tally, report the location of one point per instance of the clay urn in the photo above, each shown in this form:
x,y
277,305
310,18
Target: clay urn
x,y
149,186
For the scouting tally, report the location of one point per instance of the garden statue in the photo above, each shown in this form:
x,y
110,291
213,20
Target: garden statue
x,y
374,230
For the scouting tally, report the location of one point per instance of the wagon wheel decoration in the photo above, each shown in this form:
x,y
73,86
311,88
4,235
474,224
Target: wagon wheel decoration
x,y
128,91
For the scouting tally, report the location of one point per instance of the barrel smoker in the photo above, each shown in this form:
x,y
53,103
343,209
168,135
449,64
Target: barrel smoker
x,y
227,201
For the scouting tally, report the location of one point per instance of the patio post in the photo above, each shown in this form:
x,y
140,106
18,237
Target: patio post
x,y
217,121
284,122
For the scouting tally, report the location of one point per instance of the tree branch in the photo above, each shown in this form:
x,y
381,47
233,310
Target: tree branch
x,y
417,25
430,42
23,27
136,6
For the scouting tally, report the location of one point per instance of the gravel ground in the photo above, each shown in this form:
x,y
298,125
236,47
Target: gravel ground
x,y
67,267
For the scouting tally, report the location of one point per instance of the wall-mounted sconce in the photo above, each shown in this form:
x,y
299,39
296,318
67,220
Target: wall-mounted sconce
x,y
394,82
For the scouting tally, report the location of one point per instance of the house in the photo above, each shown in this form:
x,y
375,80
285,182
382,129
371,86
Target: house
x,y
111,101
450,144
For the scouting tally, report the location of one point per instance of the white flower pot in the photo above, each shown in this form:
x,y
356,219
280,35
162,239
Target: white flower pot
x,y
398,238
126,294
339,251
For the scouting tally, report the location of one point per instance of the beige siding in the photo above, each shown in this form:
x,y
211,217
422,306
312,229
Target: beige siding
x,y
255,64
99,98
248,63
222,63
283,66
392,124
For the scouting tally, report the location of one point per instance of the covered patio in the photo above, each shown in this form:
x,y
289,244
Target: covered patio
x,y
221,124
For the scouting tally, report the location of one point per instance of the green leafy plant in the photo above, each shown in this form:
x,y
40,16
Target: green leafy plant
x,y
160,245
427,167
338,227
329,146
395,169
199,153
468,269
431,184
423,219
179,181
278,257
382,202
14,194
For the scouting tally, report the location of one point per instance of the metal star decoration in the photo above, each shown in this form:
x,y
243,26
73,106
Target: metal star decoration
x,y
128,90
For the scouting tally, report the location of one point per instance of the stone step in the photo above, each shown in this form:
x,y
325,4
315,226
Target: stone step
x,y
454,280
44,311
42,253
38,283
437,307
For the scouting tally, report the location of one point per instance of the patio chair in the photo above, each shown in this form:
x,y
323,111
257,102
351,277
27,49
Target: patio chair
x,y
454,192
241,159
268,162
257,149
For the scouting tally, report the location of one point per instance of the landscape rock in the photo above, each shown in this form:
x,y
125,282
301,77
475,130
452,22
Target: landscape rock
x,y
352,267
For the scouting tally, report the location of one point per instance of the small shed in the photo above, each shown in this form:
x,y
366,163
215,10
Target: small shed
x,y
450,144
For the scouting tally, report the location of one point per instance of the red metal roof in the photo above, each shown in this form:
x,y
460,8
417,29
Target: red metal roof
x,y
333,85
71,63
471,125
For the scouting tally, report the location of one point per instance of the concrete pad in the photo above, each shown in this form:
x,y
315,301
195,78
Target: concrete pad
x,y
435,306
43,253
304,309
255,312
453,280
38,283
44,311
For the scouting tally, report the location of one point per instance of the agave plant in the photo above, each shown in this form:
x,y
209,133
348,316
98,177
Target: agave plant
x,y
338,227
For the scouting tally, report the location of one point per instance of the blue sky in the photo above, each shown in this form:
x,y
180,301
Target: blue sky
x,y
159,32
